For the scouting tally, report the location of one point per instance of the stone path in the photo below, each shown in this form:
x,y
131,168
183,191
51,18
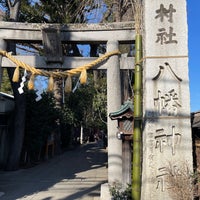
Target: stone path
x,y
74,175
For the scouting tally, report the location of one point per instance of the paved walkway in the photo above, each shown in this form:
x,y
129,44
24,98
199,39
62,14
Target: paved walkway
x,y
74,175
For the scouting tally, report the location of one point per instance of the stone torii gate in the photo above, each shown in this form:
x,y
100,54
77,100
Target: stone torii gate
x,y
167,143
110,34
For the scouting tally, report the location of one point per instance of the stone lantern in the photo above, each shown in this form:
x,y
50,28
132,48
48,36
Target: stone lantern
x,y
124,116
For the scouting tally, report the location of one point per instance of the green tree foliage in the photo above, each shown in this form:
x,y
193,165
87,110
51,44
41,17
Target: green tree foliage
x,y
5,85
41,120
57,11
100,100
31,12
80,103
60,11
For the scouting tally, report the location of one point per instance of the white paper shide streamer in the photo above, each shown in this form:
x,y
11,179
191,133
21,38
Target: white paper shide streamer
x,y
20,89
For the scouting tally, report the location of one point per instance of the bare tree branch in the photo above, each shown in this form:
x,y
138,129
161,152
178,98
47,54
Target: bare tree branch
x,y
16,2
9,4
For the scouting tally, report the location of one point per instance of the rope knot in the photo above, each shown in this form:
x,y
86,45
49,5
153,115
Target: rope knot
x,y
3,53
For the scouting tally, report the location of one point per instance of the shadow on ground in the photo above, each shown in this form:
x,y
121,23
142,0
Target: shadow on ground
x,y
72,175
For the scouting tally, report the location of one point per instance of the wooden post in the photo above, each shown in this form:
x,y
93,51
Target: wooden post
x,y
126,157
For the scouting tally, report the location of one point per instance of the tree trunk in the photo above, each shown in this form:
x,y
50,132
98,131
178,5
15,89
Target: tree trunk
x,y
116,10
17,131
58,95
93,53
19,112
14,9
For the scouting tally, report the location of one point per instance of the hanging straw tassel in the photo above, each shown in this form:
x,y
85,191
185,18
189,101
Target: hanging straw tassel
x,y
83,76
68,84
50,84
31,82
16,75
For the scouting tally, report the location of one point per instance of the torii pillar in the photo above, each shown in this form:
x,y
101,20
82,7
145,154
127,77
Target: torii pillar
x,y
167,139
113,104
3,46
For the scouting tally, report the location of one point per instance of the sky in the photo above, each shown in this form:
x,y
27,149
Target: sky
x,y
193,10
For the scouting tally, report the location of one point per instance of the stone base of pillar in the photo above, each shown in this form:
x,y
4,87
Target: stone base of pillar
x,y
105,193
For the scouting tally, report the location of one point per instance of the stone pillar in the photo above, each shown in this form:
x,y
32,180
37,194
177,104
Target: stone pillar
x,y
167,143
113,104
2,47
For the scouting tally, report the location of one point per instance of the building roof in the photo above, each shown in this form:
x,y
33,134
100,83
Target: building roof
x,y
126,110
5,95
195,119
